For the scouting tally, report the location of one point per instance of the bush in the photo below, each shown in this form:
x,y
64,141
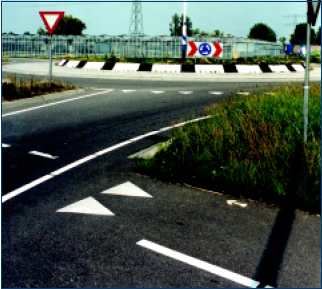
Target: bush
x,y
253,147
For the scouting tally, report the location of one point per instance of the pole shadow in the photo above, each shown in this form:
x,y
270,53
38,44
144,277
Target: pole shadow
x,y
268,269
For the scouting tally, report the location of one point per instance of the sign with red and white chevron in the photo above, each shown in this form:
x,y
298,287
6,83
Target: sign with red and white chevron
x,y
204,49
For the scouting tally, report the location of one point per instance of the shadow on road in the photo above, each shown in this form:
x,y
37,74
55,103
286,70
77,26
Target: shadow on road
x,y
272,258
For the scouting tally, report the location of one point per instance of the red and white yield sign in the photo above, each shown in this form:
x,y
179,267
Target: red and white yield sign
x,y
204,49
51,19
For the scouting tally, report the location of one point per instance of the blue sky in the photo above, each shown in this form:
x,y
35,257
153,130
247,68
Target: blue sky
x,y
113,18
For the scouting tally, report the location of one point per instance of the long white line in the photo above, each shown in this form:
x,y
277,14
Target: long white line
x,y
237,278
44,155
55,103
88,158
4,145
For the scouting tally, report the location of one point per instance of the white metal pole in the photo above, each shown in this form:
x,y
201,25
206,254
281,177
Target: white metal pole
x,y
184,30
306,80
50,58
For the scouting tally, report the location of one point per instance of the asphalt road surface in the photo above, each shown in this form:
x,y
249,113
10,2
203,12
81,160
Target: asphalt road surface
x,y
63,226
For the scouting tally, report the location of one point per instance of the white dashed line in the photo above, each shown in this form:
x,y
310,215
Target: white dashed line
x,y
4,145
237,278
216,92
185,91
86,159
44,155
157,91
55,103
128,90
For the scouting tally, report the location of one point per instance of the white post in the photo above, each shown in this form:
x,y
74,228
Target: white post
x,y
50,59
306,80
184,30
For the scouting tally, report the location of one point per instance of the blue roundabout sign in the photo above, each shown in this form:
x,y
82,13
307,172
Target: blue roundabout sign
x,y
204,49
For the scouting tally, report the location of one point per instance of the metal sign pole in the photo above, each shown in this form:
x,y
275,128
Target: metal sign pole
x,y
306,80
184,31
50,59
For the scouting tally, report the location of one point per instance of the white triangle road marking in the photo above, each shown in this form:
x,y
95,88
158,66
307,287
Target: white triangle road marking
x,y
185,91
157,91
88,206
128,90
127,189
216,92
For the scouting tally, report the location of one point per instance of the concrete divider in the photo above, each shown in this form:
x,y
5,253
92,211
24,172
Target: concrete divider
x,y
298,67
72,63
94,65
62,62
172,68
251,68
278,68
209,68
126,67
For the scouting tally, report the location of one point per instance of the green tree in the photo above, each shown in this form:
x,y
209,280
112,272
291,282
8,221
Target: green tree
x,y
298,37
177,23
217,33
262,31
69,25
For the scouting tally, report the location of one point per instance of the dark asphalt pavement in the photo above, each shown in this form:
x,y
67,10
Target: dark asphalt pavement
x,y
44,248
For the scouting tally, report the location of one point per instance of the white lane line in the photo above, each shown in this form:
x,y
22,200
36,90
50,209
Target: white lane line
x,y
4,145
128,90
185,91
216,92
55,103
44,155
157,91
86,159
237,278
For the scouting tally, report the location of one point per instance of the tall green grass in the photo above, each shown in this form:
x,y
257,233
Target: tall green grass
x,y
253,146
14,88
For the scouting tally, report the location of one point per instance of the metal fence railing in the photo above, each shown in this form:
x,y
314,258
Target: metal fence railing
x,y
145,47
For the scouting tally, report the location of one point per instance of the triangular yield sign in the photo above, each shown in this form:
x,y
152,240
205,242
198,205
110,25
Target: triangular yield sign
x,y
51,19
127,189
88,206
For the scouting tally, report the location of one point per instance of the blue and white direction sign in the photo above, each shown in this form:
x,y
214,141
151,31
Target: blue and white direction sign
x,y
205,49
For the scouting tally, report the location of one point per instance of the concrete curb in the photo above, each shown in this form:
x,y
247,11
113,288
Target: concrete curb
x,y
184,68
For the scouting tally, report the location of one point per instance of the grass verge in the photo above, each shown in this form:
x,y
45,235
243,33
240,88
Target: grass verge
x,y
252,147
13,88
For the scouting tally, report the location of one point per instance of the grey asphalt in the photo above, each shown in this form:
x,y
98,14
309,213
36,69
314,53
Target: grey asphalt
x,y
43,248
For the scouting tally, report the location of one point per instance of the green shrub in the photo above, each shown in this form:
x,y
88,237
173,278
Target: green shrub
x,y
253,147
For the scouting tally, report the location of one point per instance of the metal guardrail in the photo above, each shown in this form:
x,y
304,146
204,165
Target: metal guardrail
x,y
145,47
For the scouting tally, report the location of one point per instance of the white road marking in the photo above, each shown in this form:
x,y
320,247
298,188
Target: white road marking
x,y
4,145
236,203
86,159
88,206
127,189
237,278
157,91
128,90
100,89
243,92
44,155
55,103
215,92
185,91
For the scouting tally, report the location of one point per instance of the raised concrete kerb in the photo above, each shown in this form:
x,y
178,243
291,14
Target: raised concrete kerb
x,y
72,63
298,67
94,65
209,68
244,68
126,67
277,68
172,68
